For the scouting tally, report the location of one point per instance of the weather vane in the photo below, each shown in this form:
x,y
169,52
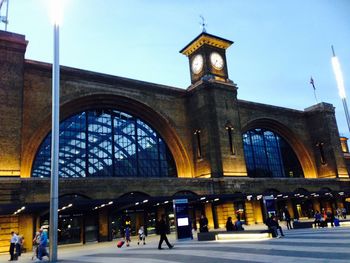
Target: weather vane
x,y
4,19
203,24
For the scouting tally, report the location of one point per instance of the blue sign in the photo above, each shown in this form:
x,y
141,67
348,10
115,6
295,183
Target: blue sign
x,y
182,219
269,205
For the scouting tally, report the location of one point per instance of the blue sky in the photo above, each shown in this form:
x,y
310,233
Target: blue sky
x,y
278,44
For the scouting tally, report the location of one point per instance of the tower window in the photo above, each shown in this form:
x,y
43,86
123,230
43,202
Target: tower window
x,y
197,133
320,148
229,129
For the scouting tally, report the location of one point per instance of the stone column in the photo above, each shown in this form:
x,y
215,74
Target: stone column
x,y
12,50
26,229
209,215
103,225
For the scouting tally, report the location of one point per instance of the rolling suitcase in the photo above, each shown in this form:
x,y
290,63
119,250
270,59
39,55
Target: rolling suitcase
x,y
336,222
120,243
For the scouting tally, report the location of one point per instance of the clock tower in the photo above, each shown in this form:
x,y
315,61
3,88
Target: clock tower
x,y
211,101
207,57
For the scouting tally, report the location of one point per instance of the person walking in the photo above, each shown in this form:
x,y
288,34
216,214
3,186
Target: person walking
x,y
127,230
42,252
142,236
36,242
13,242
162,229
287,217
127,236
203,224
19,244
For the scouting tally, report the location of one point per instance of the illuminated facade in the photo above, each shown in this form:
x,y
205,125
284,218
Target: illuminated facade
x,y
128,146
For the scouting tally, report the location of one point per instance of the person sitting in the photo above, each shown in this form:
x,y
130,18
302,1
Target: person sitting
x,y
239,225
229,225
275,219
317,220
271,226
330,218
203,224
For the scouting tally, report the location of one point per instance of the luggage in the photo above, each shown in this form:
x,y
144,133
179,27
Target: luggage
x,y
336,222
120,243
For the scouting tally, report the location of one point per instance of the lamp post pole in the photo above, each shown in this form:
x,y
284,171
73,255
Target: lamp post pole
x,y
54,144
340,83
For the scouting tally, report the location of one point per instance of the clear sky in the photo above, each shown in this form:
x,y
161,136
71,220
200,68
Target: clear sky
x,y
278,45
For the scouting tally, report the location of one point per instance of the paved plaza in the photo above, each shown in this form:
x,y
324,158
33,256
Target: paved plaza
x,y
299,245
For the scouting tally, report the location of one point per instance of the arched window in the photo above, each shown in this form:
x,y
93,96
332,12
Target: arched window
x,y
269,155
106,143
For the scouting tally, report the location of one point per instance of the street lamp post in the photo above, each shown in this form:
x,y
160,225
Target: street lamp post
x,y
55,135
340,83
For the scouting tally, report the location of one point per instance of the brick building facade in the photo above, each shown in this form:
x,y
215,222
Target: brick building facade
x,y
202,127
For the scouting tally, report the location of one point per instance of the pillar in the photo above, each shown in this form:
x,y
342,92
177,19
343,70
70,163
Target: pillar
x,y
290,208
26,229
12,49
209,214
8,223
249,213
316,205
223,211
258,214
102,225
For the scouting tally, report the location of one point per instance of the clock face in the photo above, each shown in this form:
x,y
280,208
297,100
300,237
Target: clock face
x,y
197,64
216,60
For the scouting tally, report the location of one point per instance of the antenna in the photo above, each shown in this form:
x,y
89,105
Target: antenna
x,y
4,19
203,24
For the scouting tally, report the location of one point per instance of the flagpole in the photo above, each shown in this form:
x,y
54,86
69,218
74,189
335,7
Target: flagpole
x,y
7,14
315,96
313,85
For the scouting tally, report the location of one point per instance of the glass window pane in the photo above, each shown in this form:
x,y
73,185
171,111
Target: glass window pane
x,y
103,143
269,155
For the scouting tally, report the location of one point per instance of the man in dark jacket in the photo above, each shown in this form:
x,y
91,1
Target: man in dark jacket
x,y
203,224
287,218
162,229
276,225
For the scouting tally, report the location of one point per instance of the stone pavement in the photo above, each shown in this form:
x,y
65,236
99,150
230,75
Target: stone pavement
x,y
299,245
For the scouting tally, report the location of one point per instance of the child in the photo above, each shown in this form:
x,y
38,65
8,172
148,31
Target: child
x,y
127,236
142,236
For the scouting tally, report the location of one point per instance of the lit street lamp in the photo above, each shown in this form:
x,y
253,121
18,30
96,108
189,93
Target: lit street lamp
x,y
55,132
340,83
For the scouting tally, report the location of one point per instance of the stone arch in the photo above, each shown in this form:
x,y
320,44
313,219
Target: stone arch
x,y
271,191
299,149
133,194
74,195
185,194
155,119
301,190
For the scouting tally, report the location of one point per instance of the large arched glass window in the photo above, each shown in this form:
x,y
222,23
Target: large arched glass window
x,y
106,143
269,155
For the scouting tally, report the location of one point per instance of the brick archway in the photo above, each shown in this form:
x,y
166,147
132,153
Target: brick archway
x,y
299,149
131,106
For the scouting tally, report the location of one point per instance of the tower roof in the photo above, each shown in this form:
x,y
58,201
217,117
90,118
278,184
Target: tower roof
x,y
205,38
